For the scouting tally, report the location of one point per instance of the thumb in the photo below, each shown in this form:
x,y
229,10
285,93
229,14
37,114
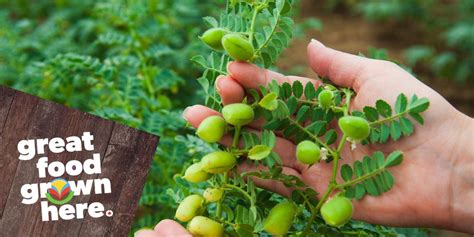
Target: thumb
x,y
343,69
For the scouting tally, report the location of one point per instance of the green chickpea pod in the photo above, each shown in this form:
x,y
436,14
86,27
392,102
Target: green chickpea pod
x,y
307,152
238,114
354,127
218,162
326,98
238,47
280,218
190,207
337,211
195,174
213,194
211,129
205,227
213,37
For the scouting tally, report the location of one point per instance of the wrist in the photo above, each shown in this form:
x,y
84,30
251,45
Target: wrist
x,y
461,195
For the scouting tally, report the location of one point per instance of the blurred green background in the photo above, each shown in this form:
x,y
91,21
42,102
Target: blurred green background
x,y
129,61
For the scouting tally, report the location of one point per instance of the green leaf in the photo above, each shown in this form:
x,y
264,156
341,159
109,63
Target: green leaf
x,y
200,60
211,21
331,137
350,192
401,103
395,158
292,104
379,159
302,114
297,89
359,191
274,87
359,170
268,138
371,188
371,113
384,133
407,126
285,91
374,136
388,178
317,128
244,230
346,172
383,108
269,102
273,124
309,91
419,105
379,182
281,111
417,117
395,130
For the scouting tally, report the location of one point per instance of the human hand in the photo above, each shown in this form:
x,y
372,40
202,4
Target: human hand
x,y
166,228
435,182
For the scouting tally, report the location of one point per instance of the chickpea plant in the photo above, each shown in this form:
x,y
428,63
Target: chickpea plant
x,y
231,204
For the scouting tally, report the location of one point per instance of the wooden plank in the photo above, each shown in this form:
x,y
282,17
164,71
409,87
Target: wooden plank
x,y
16,220
117,162
102,130
6,99
129,195
16,127
126,154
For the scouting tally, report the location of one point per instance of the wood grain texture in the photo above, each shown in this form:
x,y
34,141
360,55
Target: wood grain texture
x,y
126,155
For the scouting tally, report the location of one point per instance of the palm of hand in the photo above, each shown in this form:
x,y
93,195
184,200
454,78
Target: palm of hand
x,y
386,82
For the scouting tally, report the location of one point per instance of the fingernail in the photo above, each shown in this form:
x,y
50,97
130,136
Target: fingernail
x,y
228,68
317,42
140,232
216,84
183,115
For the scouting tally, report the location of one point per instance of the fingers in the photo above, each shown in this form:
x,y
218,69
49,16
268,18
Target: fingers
x,y
146,233
251,76
343,69
272,185
230,90
170,228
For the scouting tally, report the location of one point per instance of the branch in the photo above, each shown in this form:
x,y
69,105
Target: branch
x,y
381,121
360,179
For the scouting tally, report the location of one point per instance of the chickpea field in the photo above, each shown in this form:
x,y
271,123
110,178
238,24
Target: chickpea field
x,y
142,62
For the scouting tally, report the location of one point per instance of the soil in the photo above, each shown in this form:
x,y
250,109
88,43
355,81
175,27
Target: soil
x,y
351,33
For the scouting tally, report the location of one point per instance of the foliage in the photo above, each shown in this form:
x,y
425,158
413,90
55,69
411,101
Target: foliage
x,y
122,60
450,53
294,111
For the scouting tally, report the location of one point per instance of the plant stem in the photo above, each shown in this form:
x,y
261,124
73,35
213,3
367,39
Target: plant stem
x,y
335,165
312,102
235,142
348,94
360,179
388,118
333,183
252,24
267,40
341,144
240,190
